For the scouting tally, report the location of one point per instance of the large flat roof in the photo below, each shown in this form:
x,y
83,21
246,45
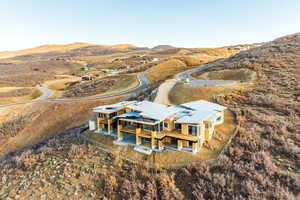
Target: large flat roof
x,y
196,116
204,105
152,110
191,112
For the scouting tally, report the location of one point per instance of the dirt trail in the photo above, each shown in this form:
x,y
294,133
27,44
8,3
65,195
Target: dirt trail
x,y
162,96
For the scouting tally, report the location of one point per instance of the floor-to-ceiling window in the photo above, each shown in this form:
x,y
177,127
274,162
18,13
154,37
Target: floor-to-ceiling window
x,y
193,130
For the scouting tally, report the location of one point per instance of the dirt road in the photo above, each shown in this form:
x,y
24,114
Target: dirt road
x,y
162,95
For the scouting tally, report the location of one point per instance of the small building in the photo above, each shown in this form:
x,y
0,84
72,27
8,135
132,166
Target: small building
x,y
182,127
155,59
139,56
83,69
111,71
87,77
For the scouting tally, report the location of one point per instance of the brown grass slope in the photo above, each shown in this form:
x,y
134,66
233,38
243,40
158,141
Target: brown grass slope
x,y
262,162
62,48
44,49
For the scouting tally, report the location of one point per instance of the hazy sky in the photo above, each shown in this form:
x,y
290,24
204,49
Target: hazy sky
x,y
189,23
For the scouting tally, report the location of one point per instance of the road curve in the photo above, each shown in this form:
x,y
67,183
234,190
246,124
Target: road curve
x,y
197,82
143,83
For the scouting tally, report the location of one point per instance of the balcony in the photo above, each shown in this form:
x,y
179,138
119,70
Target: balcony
x,y
139,131
179,135
105,121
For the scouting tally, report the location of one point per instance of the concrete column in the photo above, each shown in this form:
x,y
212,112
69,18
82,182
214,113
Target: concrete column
x,y
98,123
195,147
108,127
120,134
179,144
160,145
138,139
185,131
153,141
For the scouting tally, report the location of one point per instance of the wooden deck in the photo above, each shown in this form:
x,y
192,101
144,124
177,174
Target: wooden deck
x,y
176,134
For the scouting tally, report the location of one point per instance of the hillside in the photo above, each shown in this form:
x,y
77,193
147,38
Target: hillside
x,y
43,49
63,48
262,161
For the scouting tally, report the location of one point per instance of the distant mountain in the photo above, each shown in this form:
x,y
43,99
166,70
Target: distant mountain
x,y
74,47
163,47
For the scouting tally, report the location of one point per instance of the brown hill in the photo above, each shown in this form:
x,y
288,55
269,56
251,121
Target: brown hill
x,y
163,47
43,49
65,48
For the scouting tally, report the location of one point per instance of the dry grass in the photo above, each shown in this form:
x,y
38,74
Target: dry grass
x,y
43,49
166,69
33,72
98,87
182,93
49,119
243,75
19,95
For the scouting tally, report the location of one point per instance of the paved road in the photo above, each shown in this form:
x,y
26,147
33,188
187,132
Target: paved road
x,y
197,82
143,83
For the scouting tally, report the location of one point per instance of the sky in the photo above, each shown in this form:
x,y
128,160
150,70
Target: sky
x,y
190,23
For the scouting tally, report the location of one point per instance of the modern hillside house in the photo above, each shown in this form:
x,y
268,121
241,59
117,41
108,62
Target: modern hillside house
x,y
182,127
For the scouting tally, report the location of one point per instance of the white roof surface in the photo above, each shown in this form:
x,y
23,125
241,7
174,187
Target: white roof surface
x,y
196,117
204,105
112,107
191,112
153,110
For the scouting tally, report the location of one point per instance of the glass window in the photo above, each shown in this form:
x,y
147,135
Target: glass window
x,y
166,124
178,126
193,130
161,126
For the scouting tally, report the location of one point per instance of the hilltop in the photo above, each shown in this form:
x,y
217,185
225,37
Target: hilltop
x,y
43,49
63,48
262,161
163,47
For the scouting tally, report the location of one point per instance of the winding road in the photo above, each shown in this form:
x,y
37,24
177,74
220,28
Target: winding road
x,y
186,75
143,83
163,90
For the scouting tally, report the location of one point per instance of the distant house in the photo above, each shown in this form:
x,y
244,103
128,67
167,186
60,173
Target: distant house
x,y
182,127
155,59
85,69
109,71
139,56
87,77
